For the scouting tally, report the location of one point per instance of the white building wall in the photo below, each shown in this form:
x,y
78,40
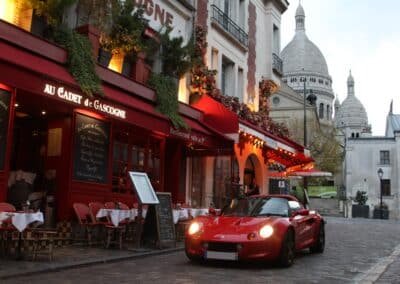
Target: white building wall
x,y
362,164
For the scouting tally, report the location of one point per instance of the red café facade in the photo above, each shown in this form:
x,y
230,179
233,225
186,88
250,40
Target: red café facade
x,y
80,148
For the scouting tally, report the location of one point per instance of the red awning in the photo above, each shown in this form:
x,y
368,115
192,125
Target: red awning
x,y
310,173
217,115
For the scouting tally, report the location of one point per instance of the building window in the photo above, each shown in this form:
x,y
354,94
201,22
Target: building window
x,y
384,158
328,112
386,187
240,87
321,110
227,77
357,135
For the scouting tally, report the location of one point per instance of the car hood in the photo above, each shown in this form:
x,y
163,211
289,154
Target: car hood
x,y
233,228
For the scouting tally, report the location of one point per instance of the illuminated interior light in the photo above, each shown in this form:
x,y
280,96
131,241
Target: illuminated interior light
x,y
43,112
16,105
116,62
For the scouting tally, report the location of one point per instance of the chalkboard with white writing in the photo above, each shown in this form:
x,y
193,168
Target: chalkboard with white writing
x,y
91,149
5,98
165,221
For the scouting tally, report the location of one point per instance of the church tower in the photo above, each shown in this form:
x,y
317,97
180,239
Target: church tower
x,y
351,117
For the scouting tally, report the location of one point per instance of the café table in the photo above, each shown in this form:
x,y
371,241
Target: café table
x,y
20,221
116,215
180,215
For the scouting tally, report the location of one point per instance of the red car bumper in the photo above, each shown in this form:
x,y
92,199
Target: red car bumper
x,y
257,249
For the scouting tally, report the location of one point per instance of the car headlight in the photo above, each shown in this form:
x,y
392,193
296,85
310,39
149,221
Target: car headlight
x,y
194,228
266,231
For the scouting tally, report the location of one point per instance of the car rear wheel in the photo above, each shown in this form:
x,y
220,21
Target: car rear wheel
x,y
319,245
286,257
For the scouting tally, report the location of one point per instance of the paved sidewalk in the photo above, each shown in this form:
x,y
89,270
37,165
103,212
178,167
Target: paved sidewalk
x,y
73,256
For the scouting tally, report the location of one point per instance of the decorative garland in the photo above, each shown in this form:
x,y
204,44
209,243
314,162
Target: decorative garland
x,y
203,82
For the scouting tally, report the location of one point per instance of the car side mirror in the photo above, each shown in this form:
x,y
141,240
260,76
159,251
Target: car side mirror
x,y
301,212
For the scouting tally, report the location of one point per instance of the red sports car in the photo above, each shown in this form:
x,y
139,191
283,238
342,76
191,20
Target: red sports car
x,y
264,227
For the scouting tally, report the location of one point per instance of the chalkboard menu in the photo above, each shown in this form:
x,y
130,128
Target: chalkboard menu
x,y
91,148
165,221
5,98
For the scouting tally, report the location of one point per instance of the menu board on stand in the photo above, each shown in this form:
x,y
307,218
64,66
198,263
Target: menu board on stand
x,y
159,228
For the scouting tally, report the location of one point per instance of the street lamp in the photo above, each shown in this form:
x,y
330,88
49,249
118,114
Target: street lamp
x,y
380,175
311,98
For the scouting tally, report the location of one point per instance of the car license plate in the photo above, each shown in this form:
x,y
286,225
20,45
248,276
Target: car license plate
x,y
221,255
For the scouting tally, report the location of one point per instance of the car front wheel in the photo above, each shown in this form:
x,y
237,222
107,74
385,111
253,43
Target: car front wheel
x,y
319,244
286,257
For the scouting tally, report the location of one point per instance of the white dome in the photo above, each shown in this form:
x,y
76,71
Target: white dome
x,y
351,113
302,55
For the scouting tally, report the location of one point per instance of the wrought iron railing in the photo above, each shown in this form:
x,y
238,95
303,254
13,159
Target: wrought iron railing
x,y
228,25
277,64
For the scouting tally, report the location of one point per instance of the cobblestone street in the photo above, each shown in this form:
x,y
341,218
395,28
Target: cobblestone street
x,y
357,250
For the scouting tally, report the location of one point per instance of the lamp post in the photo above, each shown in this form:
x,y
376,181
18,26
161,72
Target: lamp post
x,y
311,98
380,175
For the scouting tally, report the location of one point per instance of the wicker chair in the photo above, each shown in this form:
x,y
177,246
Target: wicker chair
x,y
110,229
82,213
6,227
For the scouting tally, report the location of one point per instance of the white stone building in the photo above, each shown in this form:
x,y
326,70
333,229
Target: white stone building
x,y
366,154
304,70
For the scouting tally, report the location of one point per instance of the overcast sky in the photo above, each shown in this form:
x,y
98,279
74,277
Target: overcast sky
x,y
361,35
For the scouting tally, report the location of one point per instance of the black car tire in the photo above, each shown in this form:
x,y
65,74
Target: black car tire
x,y
193,258
286,257
319,245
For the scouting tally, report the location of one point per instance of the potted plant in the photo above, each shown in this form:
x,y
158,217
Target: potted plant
x,y
360,209
381,212
124,35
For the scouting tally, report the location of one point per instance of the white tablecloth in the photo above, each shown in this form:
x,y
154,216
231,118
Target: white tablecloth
x,y
118,215
198,212
180,214
21,220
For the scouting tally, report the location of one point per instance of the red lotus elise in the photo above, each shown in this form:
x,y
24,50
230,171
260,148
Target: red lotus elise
x,y
263,227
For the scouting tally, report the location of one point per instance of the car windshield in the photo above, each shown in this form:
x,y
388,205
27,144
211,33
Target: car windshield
x,y
270,206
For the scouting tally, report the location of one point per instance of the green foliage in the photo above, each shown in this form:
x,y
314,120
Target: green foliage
x,y
361,197
177,58
167,101
51,10
326,150
125,33
80,62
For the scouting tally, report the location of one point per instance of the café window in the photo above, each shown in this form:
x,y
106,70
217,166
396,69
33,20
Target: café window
x,y
384,158
133,152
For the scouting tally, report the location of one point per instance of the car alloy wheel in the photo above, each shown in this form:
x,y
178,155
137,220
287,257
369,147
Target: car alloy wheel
x,y
286,258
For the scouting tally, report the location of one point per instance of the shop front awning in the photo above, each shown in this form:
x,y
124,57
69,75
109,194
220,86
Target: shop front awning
x,y
217,116
310,173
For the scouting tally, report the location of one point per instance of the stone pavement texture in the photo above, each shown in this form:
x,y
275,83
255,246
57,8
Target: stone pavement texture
x,y
71,257
357,251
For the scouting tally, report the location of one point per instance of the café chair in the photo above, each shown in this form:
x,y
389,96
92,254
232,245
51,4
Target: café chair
x,y
110,229
82,213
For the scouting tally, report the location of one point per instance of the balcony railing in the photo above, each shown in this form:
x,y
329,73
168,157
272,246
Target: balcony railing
x,y
277,64
228,25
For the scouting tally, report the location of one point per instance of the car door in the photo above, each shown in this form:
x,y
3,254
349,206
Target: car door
x,y
301,223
